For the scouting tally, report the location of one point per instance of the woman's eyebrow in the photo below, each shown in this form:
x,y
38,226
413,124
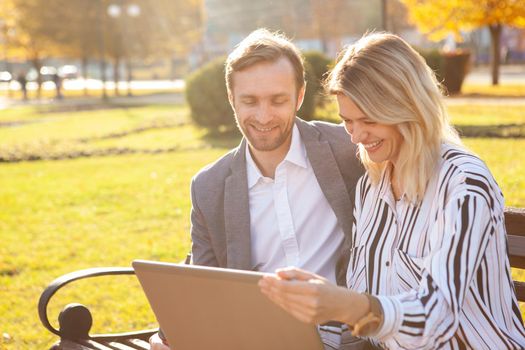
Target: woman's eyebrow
x,y
363,117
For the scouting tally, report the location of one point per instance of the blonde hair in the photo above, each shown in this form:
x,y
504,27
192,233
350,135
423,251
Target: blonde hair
x,y
392,85
264,46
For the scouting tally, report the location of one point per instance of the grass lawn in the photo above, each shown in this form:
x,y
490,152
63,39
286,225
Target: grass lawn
x,y
61,216
505,159
57,217
486,114
501,90
67,126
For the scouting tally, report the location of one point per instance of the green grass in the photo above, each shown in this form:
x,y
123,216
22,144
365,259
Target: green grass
x,y
61,216
487,114
57,217
74,125
502,90
505,159
183,137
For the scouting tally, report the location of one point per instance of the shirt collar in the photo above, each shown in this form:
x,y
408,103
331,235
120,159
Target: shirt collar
x,y
296,155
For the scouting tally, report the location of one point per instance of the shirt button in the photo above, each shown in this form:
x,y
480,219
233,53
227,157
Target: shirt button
x,y
387,263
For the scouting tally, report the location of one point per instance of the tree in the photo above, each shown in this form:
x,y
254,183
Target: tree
x,y
34,26
394,16
440,18
83,29
7,14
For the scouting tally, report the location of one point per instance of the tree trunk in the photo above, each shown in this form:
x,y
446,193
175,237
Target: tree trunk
x,y
384,15
116,74
495,43
84,73
101,45
130,75
37,64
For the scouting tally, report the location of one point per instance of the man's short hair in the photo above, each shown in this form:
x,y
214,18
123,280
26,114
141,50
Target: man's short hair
x,y
264,46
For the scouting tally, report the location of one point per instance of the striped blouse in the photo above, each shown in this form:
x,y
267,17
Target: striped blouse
x,y
439,269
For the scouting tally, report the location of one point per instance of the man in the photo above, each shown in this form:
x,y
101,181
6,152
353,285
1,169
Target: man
x,y
284,196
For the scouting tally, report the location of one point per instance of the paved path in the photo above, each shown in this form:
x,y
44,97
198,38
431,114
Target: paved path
x,y
514,74
160,98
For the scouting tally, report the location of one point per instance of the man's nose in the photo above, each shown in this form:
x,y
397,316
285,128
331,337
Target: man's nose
x,y
263,114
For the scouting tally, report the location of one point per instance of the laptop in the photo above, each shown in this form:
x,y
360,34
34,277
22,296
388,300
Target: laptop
x,y
201,307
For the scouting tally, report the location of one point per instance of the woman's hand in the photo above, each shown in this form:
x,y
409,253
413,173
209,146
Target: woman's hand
x,y
156,343
312,298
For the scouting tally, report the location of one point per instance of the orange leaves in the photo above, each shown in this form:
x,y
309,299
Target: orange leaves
x,y
440,18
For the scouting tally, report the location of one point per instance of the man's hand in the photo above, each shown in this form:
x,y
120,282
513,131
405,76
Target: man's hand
x,y
156,343
312,298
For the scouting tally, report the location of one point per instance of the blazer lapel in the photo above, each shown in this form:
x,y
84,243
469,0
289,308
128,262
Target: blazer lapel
x,y
237,213
328,174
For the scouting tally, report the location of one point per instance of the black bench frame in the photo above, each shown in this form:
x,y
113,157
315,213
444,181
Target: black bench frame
x,y
75,320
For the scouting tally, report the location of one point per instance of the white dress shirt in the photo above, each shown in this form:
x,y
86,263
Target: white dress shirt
x,y
291,222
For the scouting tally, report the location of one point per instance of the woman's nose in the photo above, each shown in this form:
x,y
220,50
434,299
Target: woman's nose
x,y
357,134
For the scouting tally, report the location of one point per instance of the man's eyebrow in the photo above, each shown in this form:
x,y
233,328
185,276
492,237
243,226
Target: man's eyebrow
x,y
246,96
277,95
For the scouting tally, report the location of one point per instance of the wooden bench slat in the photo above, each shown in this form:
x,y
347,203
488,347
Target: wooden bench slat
x,y
120,346
520,290
515,222
95,345
515,227
516,251
138,343
128,344
65,344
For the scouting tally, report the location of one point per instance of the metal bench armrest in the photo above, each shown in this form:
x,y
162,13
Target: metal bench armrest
x,y
75,320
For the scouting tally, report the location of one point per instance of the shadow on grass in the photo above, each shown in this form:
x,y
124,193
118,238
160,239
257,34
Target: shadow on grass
x,y
479,95
494,131
223,138
86,106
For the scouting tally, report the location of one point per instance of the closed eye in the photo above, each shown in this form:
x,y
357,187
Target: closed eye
x,y
347,121
248,102
279,100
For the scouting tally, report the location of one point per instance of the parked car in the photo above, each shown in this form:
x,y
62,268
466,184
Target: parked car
x,y
47,73
5,77
68,71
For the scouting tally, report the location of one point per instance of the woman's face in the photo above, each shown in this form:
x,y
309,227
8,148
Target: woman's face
x,y
381,142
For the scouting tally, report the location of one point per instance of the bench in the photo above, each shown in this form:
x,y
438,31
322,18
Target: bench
x,y
75,320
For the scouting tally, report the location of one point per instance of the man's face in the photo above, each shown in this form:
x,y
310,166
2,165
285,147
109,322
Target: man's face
x,y
265,100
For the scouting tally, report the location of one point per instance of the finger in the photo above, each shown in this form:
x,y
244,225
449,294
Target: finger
x,y
301,307
307,316
304,300
310,287
266,282
294,273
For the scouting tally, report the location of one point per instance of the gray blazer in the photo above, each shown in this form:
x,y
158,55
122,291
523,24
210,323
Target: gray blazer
x,y
220,215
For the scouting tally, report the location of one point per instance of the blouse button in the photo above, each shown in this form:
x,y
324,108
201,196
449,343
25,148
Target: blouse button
x,y
387,263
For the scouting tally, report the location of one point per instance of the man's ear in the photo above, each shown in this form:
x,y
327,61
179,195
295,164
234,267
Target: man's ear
x,y
300,97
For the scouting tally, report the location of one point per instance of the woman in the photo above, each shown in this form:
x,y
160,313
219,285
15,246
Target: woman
x,y
428,266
